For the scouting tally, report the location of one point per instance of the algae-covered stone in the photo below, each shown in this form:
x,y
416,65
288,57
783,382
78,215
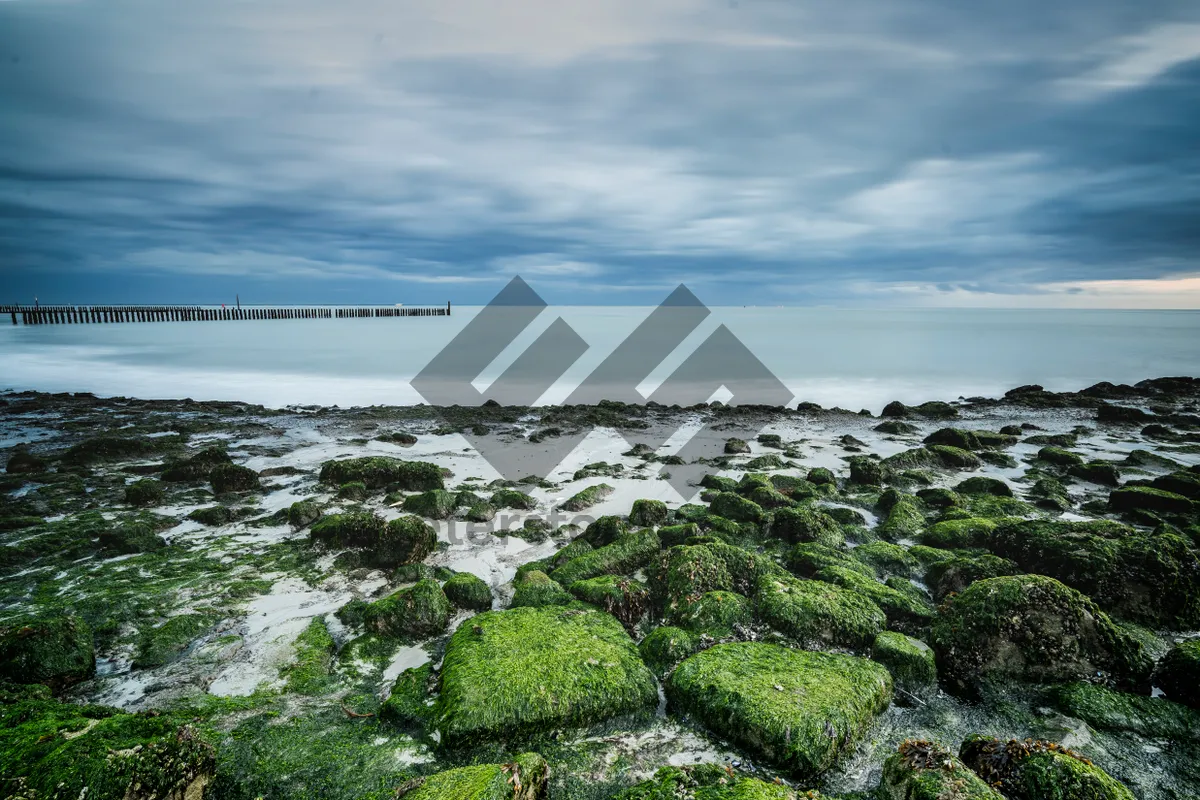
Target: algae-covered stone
x,y
587,498
379,472
735,507
415,612
511,498
1030,628
1105,709
535,589
308,672
1059,457
801,524
821,476
303,513
406,540
818,612
686,572
1104,473
197,466
163,643
709,782
407,703
904,520
887,559
511,674
905,611
434,504
954,533
717,614
351,529
625,598
939,497
910,661
1148,498
666,646
865,471
648,513
1178,674
52,650
63,750
796,709
626,554
954,574
736,446
984,485
1039,770
146,492
133,536
524,778
468,592
23,462
809,558
233,478
924,770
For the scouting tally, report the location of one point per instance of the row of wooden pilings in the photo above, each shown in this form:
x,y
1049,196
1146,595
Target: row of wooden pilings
x,y
64,315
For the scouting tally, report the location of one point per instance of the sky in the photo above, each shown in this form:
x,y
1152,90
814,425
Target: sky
x,y
762,152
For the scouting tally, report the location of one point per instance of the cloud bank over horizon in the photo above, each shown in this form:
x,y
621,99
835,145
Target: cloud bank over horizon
x,y
761,151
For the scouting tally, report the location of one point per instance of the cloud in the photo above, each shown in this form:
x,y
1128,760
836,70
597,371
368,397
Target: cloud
x,y
765,152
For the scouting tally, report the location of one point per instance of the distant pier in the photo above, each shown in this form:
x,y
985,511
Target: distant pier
x,y
79,315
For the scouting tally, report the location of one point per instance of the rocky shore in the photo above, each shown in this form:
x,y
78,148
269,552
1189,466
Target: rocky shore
x,y
979,598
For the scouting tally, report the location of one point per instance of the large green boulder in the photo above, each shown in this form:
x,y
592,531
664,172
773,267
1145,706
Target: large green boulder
x,y
627,553
414,612
524,778
627,599
1178,674
717,614
406,540
735,507
801,524
433,504
1105,709
468,592
906,611
511,674
924,770
52,650
1039,770
648,513
818,613
1030,629
378,472
911,662
1148,498
796,709
954,574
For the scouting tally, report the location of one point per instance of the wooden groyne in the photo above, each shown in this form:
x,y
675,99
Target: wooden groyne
x,y
78,315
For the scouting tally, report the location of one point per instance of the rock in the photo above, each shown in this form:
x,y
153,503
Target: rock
x,y
818,612
719,483
415,612
587,498
1122,415
524,778
629,552
1147,498
22,462
865,471
983,485
1105,709
939,497
162,644
54,650
820,476
910,661
1153,579
146,492
966,532
468,592
379,472
796,709
626,599
736,508
802,524
648,513
970,440
1182,483
407,703
717,614
196,467
904,519
905,611
809,558
710,782
1038,770
233,478
535,589
1030,629
511,498
666,646
923,770
955,574
886,559
303,513
1059,457
736,446
896,428
1049,493
1104,473
432,504
511,674
355,490
1178,674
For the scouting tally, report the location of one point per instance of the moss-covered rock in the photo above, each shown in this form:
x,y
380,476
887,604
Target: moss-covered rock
x,y
648,513
1148,498
1178,674
55,650
23,462
1151,579
117,448
796,709
809,558
525,778
433,504
905,611
666,646
819,613
1030,629
414,612
308,671
627,553
924,770
1105,709
511,498
905,519
303,513
803,524
131,536
214,516
408,703
984,485
1104,473
145,492
379,472
233,478
406,540
625,598
468,592
197,466
954,574
511,674
717,614
820,476
910,661
886,559
865,471
1039,770
736,446
735,507
939,497
671,535
63,750
535,589
709,782
587,498
1059,457
956,533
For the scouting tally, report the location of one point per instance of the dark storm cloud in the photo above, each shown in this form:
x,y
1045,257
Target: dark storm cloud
x,y
768,152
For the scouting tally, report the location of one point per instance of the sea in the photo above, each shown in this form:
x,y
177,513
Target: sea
x,y
851,358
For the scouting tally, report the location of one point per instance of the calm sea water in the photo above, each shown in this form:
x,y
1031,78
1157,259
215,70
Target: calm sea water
x,y
852,358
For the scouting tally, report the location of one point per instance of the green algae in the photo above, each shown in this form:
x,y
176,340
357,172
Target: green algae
x,y
923,770
910,661
55,650
1105,709
308,673
469,592
381,472
164,643
1038,770
627,553
818,612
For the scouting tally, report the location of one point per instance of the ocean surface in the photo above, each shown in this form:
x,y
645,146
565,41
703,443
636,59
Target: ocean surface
x,y
861,358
